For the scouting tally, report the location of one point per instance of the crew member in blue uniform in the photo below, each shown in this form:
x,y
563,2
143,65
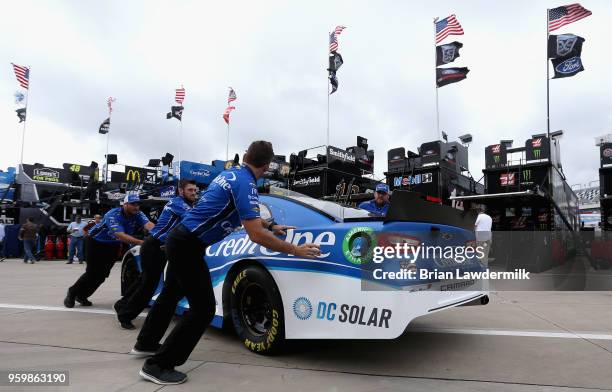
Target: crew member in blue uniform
x,y
231,200
380,204
153,257
104,241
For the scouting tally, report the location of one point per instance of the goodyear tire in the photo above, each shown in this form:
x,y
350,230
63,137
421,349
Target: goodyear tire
x,y
130,274
257,310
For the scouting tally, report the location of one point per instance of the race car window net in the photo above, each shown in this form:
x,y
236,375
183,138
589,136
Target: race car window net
x,y
334,210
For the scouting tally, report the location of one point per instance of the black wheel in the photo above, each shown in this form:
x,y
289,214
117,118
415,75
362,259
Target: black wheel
x,y
257,310
130,274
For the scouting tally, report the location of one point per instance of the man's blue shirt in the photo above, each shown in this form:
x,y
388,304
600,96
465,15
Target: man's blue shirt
x,y
115,221
171,215
230,198
373,207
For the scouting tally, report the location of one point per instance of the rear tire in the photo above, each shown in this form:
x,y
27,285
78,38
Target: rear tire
x,y
257,310
130,273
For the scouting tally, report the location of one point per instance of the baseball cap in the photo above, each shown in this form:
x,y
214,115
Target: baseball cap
x,y
382,188
131,198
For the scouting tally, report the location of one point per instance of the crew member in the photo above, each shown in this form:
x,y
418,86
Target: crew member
x,y
380,204
482,229
104,240
230,200
153,257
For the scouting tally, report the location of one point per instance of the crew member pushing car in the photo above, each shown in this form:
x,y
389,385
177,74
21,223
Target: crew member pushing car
x,y
104,240
380,204
229,201
153,257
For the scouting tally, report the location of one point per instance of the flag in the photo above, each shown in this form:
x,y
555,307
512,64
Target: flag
x,y
567,66
109,103
564,15
446,76
333,80
21,113
564,45
447,26
19,97
23,75
447,53
335,61
176,112
333,38
226,114
104,127
179,95
231,96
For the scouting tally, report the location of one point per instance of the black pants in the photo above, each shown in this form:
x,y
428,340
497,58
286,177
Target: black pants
x,y
187,275
100,260
152,262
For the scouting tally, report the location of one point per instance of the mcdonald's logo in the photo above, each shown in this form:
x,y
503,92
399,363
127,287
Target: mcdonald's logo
x,y
132,175
537,153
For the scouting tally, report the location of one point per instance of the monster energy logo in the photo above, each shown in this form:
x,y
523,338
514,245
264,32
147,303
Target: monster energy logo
x,y
536,153
527,174
496,158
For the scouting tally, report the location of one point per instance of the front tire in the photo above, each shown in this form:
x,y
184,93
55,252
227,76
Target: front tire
x,y
257,310
130,273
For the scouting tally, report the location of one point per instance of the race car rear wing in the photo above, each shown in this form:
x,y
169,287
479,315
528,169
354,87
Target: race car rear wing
x,y
409,206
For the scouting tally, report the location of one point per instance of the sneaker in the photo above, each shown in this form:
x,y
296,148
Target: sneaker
x,y
69,300
144,352
127,325
83,301
161,376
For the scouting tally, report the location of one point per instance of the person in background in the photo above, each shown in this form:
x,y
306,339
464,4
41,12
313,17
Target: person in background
x,y
75,230
92,222
27,234
2,241
152,255
482,229
380,204
104,241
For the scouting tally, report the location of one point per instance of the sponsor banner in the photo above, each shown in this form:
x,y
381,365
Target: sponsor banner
x,y
135,175
606,153
564,45
168,191
447,53
52,175
495,156
506,179
565,67
199,172
334,153
537,148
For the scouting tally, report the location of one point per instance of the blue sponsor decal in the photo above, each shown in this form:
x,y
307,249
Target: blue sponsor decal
x,y
168,191
569,66
302,308
397,181
199,172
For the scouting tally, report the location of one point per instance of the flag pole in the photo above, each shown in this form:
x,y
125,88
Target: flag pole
x,y
227,141
110,111
435,82
547,80
180,145
327,86
26,116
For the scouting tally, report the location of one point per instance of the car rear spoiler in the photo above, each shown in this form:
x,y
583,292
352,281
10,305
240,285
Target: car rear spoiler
x,y
409,206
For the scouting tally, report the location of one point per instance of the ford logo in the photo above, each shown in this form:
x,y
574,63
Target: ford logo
x,y
569,66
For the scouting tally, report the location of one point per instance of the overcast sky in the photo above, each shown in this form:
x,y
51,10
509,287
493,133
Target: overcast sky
x,y
274,54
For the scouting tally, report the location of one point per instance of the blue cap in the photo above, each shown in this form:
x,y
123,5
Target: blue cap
x,y
383,188
131,198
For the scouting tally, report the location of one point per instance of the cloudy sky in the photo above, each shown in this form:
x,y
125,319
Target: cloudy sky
x,y
274,54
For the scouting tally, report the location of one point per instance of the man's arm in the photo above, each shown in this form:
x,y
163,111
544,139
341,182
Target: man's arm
x,y
149,225
258,234
128,239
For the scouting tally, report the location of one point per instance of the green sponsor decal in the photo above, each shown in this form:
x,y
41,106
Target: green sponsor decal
x,y
358,245
537,153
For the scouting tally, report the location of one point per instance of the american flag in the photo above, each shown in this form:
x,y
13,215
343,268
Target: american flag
x,y
447,26
109,103
23,75
232,96
179,97
227,112
561,16
333,38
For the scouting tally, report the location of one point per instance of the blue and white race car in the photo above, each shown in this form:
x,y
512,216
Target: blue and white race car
x,y
345,293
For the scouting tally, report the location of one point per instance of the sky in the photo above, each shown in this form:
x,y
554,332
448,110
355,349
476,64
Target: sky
x,y
274,54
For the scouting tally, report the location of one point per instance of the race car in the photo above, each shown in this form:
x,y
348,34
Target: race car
x,y
345,293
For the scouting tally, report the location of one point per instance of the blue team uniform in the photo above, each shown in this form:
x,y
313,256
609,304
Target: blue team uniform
x,y
374,208
170,216
231,197
115,221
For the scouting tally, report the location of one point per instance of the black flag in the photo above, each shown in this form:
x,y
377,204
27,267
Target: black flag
x,y
446,76
567,66
564,45
176,112
335,61
104,126
21,113
447,53
334,81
